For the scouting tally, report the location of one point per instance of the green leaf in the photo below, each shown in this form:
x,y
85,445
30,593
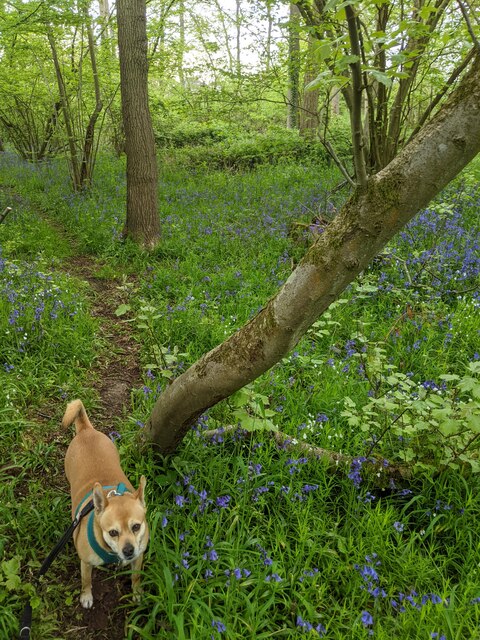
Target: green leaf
x,y
11,569
473,421
425,11
381,77
408,455
324,51
122,309
448,427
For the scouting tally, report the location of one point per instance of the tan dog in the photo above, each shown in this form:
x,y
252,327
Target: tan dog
x,y
116,530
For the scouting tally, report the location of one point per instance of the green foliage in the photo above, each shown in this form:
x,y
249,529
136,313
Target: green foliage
x,y
191,133
341,138
240,151
427,426
252,410
246,534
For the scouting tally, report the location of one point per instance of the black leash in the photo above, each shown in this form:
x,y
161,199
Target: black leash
x,y
26,620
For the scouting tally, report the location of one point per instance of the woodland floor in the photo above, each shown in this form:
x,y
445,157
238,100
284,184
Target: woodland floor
x,y
114,374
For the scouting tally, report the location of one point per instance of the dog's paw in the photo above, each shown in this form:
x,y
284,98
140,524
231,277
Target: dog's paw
x,y
86,600
137,592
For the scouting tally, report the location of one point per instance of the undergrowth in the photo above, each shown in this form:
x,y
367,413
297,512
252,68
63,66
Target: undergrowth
x,y
249,539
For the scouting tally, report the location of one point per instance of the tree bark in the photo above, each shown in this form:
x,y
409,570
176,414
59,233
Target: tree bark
x,y
369,219
142,222
72,142
356,125
181,43
88,157
238,26
309,117
293,96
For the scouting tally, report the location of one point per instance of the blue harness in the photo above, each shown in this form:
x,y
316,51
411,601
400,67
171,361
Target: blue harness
x,y
108,557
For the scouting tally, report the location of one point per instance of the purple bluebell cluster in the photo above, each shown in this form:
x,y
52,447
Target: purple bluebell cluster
x,y
308,627
441,253
218,626
34,311
371,582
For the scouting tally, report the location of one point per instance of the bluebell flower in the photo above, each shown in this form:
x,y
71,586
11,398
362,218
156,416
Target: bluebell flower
x,y
355,469
223,501
367,619
273,577
219,626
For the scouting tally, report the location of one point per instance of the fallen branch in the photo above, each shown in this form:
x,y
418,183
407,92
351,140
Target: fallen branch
x,y
5,214
334,459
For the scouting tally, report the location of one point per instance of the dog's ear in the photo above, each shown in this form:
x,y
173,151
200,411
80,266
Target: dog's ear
x,y
140,492
99,499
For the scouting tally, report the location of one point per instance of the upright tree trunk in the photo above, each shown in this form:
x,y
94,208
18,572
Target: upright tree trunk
x,y
309,120
142,223
335,102
268,45
72,142
181,42
107,31
293,94
88,157
238,21
366,223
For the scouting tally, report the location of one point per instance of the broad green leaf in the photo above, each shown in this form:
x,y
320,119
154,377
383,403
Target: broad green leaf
x,y
473,421
381,77
122,309
448,427
449,377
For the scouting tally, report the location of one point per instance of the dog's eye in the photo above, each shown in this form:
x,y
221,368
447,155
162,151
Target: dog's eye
x,y
113,533
135,527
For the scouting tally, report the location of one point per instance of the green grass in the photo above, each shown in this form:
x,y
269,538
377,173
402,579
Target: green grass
x,y
248,540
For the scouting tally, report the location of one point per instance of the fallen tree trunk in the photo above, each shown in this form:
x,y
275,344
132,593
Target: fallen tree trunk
x,y
370,218
377,467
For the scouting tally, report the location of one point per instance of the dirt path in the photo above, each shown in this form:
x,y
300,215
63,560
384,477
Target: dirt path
x,y
114,373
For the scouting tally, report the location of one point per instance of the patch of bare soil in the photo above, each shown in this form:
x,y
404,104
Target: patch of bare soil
x,y
106,619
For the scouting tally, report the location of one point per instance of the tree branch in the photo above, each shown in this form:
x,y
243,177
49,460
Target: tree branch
x,y
469,24
455,74
356,111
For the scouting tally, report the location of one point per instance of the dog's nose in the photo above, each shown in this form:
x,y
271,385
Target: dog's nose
x,y
128,550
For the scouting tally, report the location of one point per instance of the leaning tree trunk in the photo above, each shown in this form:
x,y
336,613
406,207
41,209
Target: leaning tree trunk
x,y
142,223
366,223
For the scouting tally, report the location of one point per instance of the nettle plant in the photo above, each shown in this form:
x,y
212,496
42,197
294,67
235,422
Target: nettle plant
x,y
429,426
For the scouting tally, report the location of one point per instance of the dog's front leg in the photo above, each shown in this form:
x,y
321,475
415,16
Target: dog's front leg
x,y
136,578
86,597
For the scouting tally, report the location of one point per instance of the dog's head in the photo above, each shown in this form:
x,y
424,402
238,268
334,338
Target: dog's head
x,y
122,521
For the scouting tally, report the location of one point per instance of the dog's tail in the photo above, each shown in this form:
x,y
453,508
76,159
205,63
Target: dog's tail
x,y
76,413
